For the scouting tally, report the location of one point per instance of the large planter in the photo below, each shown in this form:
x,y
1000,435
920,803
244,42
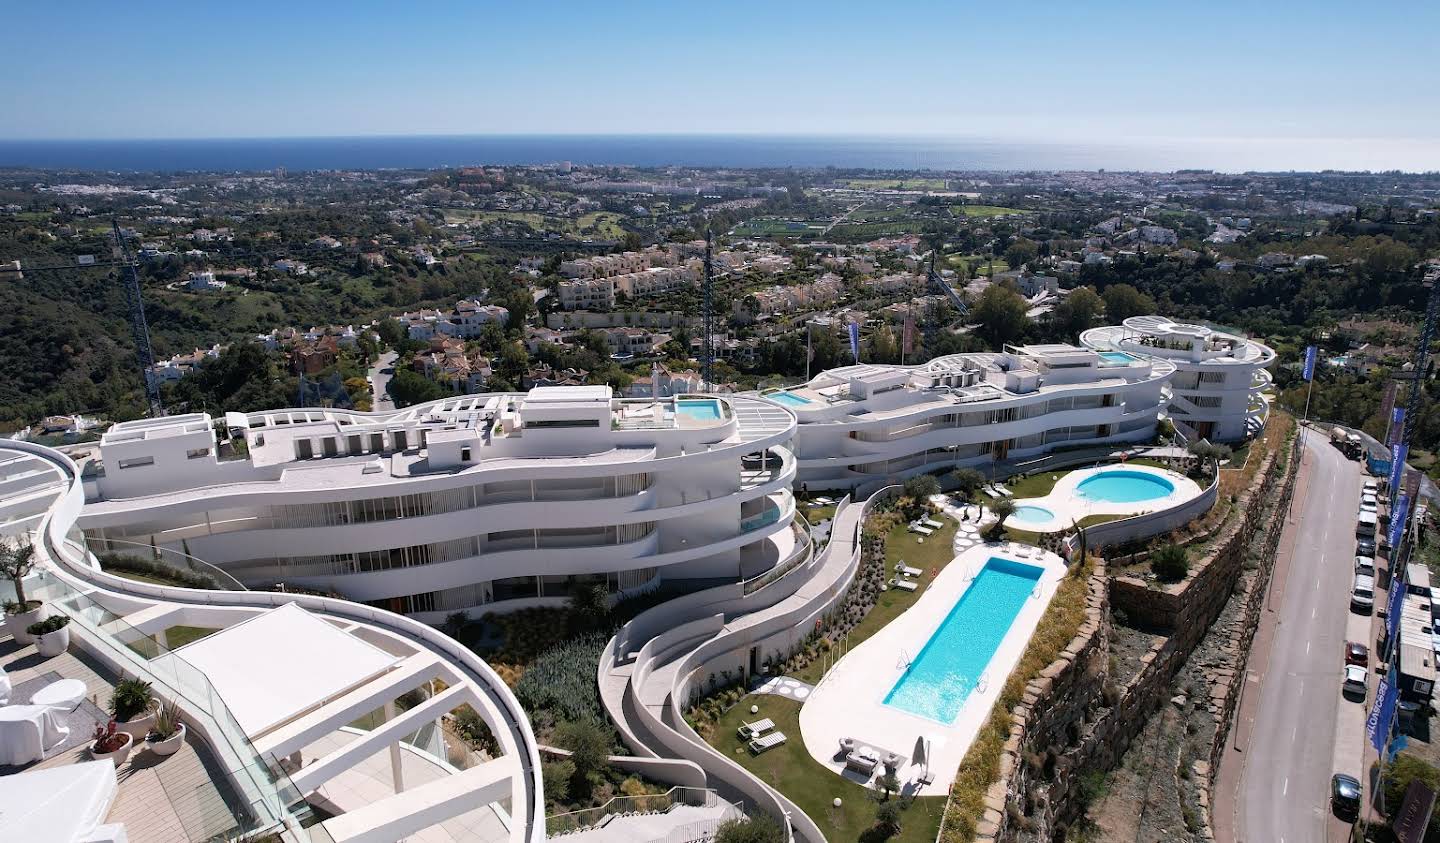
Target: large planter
x,y
16,624
118,756
53,643
168,746
139,727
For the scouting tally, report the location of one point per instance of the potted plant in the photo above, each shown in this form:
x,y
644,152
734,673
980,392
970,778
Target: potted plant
x,y
111,743
168,733
52,635
16,562
133,707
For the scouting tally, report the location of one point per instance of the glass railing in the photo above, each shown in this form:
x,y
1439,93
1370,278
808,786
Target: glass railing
x,y
264,794
149,563
763,519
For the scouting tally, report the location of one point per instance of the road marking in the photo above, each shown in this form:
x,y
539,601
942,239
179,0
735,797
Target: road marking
x,y
1313,610
1286,790
1307,643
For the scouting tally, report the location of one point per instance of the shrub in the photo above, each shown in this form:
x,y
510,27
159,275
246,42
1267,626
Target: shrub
x,y
130,699
756,828
562,680
1405,769
54,623
1170,563
557,776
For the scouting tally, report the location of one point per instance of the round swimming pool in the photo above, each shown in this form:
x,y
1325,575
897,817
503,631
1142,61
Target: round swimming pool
x,y
1029,514
1122,486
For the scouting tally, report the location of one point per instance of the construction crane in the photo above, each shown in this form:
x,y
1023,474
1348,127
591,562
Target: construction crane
x,y
707,353
1422,355
139,330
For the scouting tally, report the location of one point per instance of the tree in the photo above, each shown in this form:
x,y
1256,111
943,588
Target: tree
x,y
1170,563
1003,509
391,332
756,828
968,480
1123,301
1000,313
1021,252
589,606
921,487
408,388
1079,311
887,820
1398,775
557,776
17,560
888,784
589,743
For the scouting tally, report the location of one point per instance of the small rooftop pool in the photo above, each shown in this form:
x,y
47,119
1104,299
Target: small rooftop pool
x,y
1031,514
789,398
698,409
1116,358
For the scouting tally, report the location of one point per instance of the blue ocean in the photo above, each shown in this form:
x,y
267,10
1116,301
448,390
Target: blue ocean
x,y
425,152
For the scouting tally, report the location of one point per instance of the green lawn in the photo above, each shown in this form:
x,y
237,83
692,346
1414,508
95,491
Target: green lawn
x,y
179,636
901,545
979,263
897,184
817,514
982,210
790,769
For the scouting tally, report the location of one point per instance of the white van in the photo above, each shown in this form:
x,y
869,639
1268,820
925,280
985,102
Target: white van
x,y
1362,594
1365,524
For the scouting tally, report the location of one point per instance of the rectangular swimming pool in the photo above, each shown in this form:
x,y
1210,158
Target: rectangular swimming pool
x,y
789,398
700,409
1116,358
938,681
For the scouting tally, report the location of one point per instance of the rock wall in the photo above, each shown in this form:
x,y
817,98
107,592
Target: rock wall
x,y
1073,718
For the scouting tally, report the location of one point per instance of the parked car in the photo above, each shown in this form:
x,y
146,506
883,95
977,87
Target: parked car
x,y
1365,565
1371,487
1355,682
1345,796
1368,503
1362,594
1365,547
1356,654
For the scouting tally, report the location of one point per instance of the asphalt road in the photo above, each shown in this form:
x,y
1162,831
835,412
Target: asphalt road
x,y
380,380
1287,742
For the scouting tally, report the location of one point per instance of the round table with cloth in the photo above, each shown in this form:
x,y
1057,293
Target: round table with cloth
x,y
27,732
65,694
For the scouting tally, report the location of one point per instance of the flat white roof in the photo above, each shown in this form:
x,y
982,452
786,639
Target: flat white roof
x,y
279,665
567,394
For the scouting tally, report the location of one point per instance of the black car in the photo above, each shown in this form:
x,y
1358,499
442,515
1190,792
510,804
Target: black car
x,y
1365,547
1345,796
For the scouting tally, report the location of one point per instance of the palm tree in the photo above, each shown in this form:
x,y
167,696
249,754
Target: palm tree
x,y
16,562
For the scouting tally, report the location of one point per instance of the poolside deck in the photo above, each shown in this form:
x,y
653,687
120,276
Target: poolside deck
x,y
849,701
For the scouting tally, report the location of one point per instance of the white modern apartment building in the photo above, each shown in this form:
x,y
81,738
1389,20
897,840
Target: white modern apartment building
x,y
869,424
475,503
1218,390
600,293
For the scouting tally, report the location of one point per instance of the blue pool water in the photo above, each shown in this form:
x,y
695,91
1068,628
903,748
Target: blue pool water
x,y
1032,514
789,398
938,681
1121,486
1117,358
698,409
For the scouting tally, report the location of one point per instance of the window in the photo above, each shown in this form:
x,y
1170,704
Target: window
x,y
197,453
530,425
464,455
136,462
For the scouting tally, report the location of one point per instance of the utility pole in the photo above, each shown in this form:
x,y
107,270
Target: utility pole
x,y
707,361
139,330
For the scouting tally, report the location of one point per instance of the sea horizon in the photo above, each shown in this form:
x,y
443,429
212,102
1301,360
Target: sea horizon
x,y
872,152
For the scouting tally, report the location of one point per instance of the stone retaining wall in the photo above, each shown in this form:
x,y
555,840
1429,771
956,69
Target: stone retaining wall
x,y
1067,722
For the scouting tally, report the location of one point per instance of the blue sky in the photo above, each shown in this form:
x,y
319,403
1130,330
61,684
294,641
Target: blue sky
x,y
1319,72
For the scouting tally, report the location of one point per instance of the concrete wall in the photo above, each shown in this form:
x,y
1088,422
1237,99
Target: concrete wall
x,y
1064,718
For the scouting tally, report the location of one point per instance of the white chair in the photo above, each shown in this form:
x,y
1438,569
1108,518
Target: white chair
x,y
5,687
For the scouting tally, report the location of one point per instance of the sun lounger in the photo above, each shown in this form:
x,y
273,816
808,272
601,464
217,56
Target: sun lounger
x,y
756,729
903,584
1004,491
823,501
924,531
990,491
770,741
905,570
933,524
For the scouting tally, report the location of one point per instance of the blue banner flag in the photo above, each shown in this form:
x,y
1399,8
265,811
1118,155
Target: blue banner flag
x,y
1397,425
1394,607
1398,452
855,341
1309,362
1398,512
1382,715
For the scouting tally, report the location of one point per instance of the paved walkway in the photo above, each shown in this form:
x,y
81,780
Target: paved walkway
x,y
784,686
1273,781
